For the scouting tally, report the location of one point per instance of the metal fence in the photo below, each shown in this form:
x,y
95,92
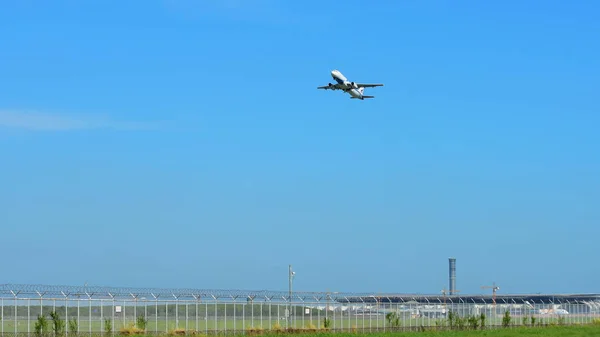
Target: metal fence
x,y
110,311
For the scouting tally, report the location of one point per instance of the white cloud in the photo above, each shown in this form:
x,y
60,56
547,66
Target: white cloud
x,y
40,121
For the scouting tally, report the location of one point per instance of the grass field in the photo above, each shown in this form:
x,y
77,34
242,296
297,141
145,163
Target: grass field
x,y
564,331
553,331
229,324
548,331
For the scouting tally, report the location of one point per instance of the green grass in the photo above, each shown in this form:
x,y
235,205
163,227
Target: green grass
x,y
562,331
550,331
577,330
228,324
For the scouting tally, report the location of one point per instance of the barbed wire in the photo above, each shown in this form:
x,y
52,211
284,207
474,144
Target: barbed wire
x,y
17,291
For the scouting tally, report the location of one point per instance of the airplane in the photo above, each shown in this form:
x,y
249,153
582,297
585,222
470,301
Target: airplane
x,y
356,90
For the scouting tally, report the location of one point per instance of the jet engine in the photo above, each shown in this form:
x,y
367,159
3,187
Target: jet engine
x,y
353,85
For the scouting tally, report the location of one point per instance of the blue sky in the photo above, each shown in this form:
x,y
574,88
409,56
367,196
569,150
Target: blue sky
x,y
184,144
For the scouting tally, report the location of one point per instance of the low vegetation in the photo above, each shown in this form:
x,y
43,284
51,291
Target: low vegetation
x,y
452,326
549,331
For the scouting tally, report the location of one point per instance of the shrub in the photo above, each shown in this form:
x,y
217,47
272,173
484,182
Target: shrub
x,y
473,322
58,325
141,323
451,317
249,331
41,326
506,319
177,332
393,319
460,322
73,326
131,329
108,325
277,327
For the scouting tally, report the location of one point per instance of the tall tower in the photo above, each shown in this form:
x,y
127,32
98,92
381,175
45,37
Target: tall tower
x,y
452,280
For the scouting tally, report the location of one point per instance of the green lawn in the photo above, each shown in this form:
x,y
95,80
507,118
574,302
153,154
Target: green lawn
x,y
229,324
550,331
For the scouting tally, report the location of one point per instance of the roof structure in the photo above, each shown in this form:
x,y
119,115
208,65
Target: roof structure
x,y
476,299
97,292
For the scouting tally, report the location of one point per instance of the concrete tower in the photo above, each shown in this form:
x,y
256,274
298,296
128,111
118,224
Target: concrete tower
x,y
452,280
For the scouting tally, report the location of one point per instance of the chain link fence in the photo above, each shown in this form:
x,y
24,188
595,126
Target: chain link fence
x,y
40,310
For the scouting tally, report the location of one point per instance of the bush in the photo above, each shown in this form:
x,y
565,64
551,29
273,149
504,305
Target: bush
x,y
251,331
393,319
131,329
108,325
73,326
451,317
58,324
276,327
141,322
41,326
460,322
506,319
473,322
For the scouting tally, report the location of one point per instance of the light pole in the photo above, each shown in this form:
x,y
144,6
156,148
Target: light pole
x,y
290,277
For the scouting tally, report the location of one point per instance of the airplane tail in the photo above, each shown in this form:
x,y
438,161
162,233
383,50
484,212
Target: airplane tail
x,y
362,90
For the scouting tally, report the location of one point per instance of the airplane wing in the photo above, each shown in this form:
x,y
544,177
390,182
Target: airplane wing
x,y
330,87
363,85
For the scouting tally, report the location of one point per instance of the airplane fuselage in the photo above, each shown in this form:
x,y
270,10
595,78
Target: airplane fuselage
x,y
354,89
348,86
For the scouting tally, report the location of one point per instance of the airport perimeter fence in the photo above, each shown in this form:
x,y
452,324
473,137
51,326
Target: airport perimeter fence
x,y
110,311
